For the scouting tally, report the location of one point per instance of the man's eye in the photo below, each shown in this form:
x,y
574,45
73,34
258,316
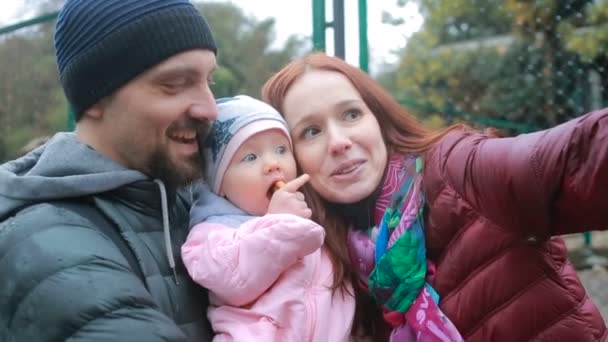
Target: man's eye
x,y
173,85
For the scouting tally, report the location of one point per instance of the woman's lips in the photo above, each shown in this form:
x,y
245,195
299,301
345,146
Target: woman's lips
x,y
347,167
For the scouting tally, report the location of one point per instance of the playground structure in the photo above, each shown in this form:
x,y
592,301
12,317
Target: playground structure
x,y
320,25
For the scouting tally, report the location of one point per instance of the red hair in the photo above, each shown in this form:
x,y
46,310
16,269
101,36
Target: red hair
x,y
401,132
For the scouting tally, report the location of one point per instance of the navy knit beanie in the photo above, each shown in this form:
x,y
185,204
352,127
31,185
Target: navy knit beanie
x,y
103,44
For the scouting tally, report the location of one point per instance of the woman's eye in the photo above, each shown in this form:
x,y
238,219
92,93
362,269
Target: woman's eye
x,y
352,114
310,132
249,157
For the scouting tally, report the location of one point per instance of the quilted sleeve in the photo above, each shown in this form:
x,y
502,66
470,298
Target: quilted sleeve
x,y
545,183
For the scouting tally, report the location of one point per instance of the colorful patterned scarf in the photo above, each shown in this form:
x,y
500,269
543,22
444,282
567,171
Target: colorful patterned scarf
x,y
398,280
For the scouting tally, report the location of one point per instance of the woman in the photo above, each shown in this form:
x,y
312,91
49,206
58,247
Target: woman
x,y
489,208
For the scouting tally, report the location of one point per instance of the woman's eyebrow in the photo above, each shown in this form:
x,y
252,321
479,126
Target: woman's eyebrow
x,y
347,103
340,105
302,121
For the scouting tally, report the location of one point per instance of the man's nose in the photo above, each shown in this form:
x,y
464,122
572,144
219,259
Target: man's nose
x,y
204,107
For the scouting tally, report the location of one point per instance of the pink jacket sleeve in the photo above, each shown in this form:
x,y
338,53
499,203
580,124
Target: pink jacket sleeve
x,y
545,183
240,264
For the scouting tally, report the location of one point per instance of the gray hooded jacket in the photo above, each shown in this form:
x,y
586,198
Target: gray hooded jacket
x,y
62,277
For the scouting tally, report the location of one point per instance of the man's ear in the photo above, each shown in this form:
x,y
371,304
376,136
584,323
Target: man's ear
x,y
95,111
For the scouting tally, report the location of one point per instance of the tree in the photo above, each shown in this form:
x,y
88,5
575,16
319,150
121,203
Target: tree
x,y
499,60
245,58
32,103
588,37
31,100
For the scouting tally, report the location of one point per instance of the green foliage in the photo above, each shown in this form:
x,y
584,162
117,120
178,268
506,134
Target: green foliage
x,y
28,91
245,58
589,37
458,20
32,103
500,63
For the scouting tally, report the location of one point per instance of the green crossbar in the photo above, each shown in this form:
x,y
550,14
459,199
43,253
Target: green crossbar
x,y
34,21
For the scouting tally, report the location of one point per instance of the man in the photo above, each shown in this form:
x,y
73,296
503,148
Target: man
x,y
93,221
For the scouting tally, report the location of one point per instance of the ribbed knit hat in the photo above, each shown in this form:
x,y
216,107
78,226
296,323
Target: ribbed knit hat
x,y
238,119
102,44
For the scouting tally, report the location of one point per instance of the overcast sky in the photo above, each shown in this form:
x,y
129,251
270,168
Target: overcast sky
x,y
295,17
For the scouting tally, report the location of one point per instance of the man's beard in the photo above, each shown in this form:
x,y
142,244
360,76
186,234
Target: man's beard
x,y
179,174
175,175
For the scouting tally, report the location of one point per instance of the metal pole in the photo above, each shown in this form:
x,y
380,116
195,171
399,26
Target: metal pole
x,y
318,25
35,21
38,20
363,43
587,240
71,125
591,259
338,25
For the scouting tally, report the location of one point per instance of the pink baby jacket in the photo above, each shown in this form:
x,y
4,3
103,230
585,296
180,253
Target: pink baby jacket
x,y
269,280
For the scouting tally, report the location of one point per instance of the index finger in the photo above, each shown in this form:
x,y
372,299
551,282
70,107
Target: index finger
x,y
295,184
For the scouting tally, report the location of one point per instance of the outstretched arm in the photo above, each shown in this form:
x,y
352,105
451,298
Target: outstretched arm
x,y
545,183
238,265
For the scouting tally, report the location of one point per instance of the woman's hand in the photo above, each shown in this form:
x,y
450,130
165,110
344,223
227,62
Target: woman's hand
x,y
288,200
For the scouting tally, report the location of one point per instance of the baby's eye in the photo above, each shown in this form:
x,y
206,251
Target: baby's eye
x,y
249,157
281,150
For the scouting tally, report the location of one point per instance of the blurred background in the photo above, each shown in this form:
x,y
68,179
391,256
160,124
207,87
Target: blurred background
x,y
515,65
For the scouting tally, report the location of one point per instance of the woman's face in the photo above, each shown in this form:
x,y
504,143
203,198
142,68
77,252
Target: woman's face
x,y
337,139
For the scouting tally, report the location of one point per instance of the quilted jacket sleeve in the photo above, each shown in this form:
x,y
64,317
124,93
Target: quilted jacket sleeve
x,y
238,265
67,281
545,183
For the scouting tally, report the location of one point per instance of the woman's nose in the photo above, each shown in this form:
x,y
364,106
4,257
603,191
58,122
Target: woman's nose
x,y
339,142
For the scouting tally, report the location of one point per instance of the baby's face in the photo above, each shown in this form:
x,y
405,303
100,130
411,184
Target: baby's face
x,y
262,160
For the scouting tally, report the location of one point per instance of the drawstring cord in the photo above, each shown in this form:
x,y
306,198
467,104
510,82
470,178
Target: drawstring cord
x,y
166,231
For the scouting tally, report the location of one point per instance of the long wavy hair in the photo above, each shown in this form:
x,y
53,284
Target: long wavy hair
x,y
401,132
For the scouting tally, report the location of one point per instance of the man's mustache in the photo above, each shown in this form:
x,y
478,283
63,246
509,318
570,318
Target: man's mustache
x,y
201,127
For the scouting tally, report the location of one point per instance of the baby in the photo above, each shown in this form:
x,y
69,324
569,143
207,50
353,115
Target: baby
x,y
252,243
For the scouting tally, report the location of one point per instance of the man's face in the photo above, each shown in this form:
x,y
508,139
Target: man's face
x,y
151,124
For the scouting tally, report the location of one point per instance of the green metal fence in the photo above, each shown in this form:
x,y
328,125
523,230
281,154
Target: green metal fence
x,y
319,27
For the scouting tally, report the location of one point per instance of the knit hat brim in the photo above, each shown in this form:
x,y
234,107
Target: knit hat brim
x,y
130,50
238,139
239,118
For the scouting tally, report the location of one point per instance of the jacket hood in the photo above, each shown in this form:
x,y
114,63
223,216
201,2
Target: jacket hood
x,y
61,168
209,207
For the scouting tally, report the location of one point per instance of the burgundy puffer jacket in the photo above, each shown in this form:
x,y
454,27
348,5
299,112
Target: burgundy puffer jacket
x,y
495,209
